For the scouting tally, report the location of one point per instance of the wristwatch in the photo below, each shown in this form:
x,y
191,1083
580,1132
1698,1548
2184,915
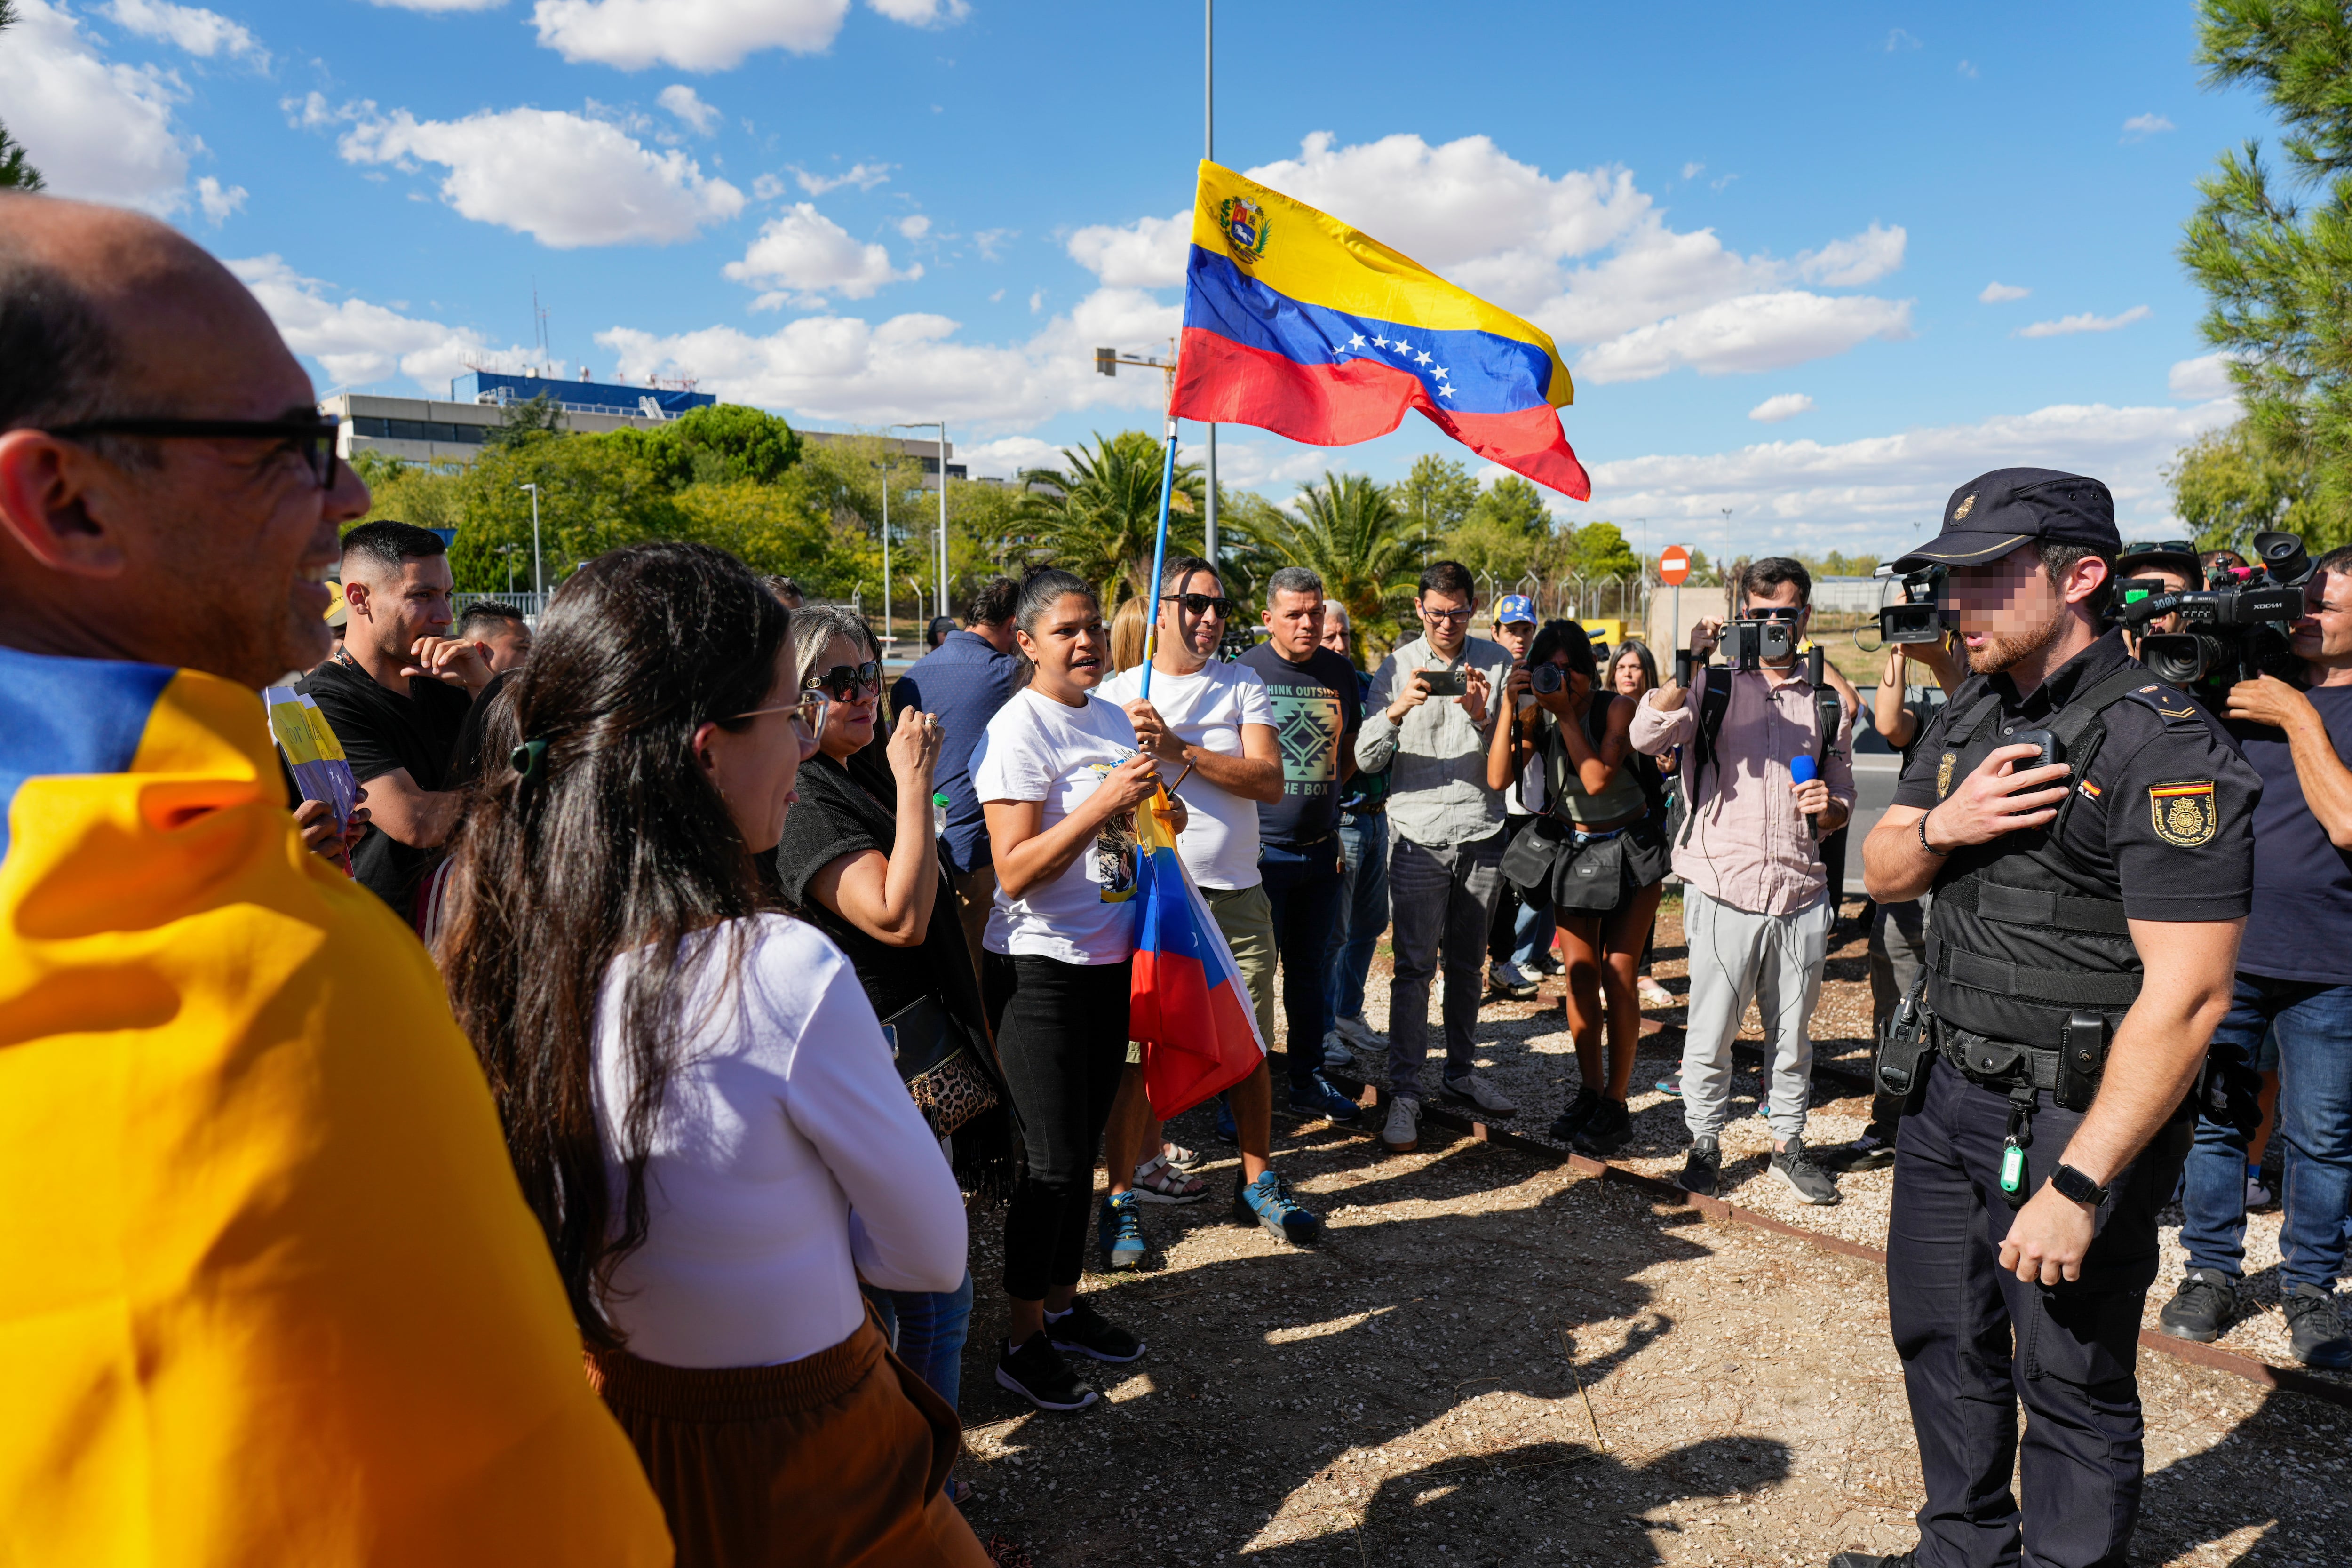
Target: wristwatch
x,y
2072,1183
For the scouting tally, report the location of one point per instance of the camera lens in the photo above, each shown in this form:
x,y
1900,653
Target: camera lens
x,y
2177,660
1547,678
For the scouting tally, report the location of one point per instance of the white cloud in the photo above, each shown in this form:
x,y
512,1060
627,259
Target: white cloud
x,y
565,180
96,129
1968,70
201,33
2140,126
914,226
1692,171
217,203
1899,39
864,176
440,5
802,255
1997,293
2201,379
358,344
1584,255
1783,406
1007,456
1872,490
2067,326
688,105
708,35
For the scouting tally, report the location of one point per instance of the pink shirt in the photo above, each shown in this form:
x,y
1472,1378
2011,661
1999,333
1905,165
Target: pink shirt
x,y
1749,845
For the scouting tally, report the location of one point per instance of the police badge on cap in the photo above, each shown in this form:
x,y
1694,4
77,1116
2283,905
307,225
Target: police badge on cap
x,y
1994,513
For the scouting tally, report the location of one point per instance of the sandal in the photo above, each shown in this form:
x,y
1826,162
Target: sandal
x,y
1157,1182
1183,1159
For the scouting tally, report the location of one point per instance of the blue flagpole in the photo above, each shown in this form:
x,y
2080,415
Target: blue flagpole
x,y
1159,560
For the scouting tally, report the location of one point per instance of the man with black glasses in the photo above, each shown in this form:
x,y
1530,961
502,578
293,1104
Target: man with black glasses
x,y
1428,720
250,1149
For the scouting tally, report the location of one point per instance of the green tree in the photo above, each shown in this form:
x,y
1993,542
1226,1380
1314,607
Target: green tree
x,y
528,421
2227,485
1348,530
420,493
1598,549
1101,518
2273,268
1513,504
1435,496
728,441
15,173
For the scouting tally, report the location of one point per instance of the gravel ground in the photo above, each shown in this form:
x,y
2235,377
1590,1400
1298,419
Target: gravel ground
x,y
1492,1360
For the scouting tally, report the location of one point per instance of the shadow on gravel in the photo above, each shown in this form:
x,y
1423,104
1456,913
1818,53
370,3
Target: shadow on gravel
x,y
2239,1483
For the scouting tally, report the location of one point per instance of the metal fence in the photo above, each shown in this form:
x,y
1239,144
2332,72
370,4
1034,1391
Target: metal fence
x,y
1576,597
532,605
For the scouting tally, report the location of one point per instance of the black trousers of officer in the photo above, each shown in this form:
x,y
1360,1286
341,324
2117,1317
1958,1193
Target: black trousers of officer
x,y
1976,1341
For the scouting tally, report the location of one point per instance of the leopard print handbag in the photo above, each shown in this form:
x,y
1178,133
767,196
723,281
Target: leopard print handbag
x,y
938,1061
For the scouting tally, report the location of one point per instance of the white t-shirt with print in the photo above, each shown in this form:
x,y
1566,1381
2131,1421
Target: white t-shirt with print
x,y
1036,749
1207,709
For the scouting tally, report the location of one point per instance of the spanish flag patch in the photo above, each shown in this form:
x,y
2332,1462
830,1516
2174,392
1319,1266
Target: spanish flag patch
x,y
2183,812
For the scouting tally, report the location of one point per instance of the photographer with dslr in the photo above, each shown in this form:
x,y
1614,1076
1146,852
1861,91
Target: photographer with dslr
x,y
1767,772
2294,974
2086,833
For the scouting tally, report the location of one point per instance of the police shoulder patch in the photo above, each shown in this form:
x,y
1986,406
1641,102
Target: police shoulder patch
x,y
2177,709
2184,812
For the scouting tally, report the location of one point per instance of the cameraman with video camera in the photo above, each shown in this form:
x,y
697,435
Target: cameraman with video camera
x,y
1767,771
2294,974
2086,833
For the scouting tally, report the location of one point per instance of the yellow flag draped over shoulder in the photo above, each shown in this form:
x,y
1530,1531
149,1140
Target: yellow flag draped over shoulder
x,y
269,1289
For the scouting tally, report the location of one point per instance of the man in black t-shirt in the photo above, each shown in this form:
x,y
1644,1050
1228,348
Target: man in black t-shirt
x,y
1317,708
397,693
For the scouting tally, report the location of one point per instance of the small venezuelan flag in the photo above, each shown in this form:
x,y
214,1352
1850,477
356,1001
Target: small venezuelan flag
x,y
1187,1007
1298,324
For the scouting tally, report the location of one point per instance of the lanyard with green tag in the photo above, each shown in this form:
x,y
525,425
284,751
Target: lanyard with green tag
x,y
2013,1146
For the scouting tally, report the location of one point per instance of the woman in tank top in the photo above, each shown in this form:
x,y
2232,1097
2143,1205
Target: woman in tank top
x,y
1602,799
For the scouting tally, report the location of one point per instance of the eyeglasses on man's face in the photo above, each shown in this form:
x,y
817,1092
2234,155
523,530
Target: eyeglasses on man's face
x,y
843,682
1452,617
309,437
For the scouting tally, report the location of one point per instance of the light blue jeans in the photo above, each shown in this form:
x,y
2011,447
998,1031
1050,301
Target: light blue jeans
x,y
927,1331
1363,911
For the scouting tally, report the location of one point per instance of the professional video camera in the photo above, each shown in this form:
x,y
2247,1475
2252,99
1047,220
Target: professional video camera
x,y
2234,629
1920,616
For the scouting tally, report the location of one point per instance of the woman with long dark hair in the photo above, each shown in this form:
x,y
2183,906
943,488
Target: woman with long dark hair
x,y
1059,777
1607,869
1633,673
694,1088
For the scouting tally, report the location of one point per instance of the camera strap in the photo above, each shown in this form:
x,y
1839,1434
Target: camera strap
x,y
1713,702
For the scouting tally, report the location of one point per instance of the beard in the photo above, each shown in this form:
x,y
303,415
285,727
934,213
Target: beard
x,y
2004,653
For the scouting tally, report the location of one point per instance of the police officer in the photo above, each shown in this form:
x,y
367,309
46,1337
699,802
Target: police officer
x,y
2086,833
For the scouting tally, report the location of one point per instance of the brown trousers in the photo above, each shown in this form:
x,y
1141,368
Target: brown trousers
x,y
834,1460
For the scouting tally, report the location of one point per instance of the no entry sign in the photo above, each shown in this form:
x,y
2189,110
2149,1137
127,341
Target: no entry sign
x,y
1674,565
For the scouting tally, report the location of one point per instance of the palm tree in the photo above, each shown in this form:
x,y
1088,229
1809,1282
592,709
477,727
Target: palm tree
x,y
1101,518
15,173
1348,530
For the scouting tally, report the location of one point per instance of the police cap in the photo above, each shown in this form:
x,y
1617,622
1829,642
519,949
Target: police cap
x,y
1994,513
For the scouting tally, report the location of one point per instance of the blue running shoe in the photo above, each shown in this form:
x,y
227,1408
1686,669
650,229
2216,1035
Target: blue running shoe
x,y
1118,1231
1226,1132
1267,1202
1320,1101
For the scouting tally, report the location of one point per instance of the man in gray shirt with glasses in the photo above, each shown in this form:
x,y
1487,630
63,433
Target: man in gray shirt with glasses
x,y
1428,720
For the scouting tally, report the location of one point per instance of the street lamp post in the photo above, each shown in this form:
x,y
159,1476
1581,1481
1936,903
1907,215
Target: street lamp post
x,y
886,547
940,426
538,577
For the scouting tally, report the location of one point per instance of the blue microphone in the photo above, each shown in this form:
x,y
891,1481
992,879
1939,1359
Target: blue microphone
x,y
1802,769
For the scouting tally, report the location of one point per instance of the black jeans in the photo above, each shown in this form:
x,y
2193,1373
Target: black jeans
x,y
1062,1041
1303,887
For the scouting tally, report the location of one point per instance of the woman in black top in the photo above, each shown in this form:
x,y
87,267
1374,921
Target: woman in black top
x,y
859,859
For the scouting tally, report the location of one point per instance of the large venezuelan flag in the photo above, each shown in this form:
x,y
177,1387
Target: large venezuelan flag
x,y
268,1291
1188,1005
1301,325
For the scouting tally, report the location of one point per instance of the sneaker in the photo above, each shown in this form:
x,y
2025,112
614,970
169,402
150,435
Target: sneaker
x,y
1672,1086
1548,962
1226,1132
1119,1230
1037,1372
1864,1153
1320,1100
1654,995
1267,1202
2261,1196
1703,1172
2203,1308
1403,1133
2314,1330
1337,1052
1472,1090
1803,1177
1610,1129
1089,1333
1513,982
1570,1123
1356,1032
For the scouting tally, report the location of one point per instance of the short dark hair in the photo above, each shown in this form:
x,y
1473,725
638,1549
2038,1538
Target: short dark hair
x,y
2337,562
936,631
57,357
1177,572
995,602
1568,637
1293,580
385,543
484,613
1763,575
1447,577
2058,557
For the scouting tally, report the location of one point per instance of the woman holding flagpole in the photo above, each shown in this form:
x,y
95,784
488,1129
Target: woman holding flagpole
x,y
1059,777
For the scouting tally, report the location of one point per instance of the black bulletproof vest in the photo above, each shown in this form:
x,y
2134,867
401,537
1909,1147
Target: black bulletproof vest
x,y
2022,935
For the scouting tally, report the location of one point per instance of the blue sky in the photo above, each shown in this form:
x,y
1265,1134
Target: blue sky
x,y
897,209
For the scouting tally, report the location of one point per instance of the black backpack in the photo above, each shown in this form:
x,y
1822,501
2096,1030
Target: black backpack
x,y
1829,712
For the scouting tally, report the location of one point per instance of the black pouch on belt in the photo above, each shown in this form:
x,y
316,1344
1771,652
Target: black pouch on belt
x,y
2082,1052
1529,858
1903,1049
